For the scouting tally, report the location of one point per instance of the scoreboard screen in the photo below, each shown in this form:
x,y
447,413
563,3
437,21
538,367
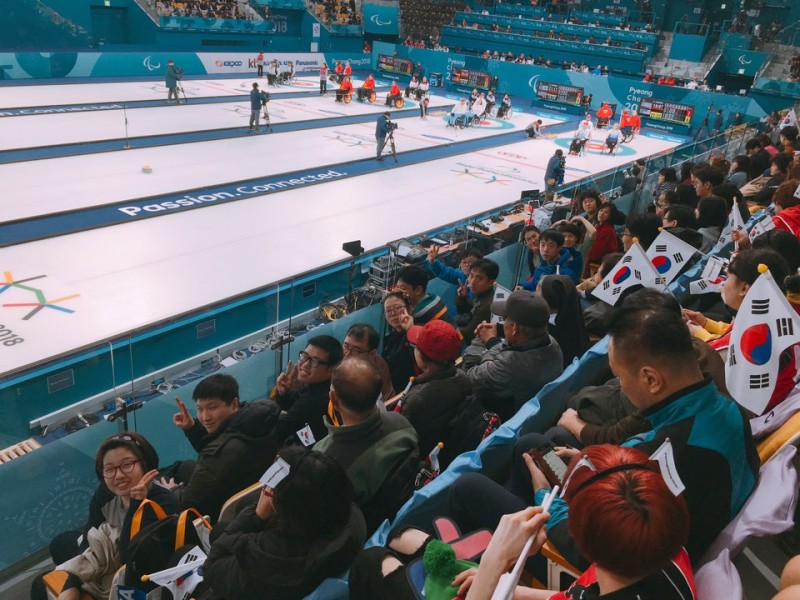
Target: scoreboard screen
x,y
469,78
671,112
392,64
556,92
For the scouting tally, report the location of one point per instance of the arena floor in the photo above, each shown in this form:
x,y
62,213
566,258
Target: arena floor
x,y
78,208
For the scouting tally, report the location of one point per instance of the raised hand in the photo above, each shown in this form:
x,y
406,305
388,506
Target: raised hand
x,y
182,418
433,252
406,321
287,379
139,491
462,289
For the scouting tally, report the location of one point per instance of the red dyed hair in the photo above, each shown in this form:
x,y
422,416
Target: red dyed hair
x,y
627,522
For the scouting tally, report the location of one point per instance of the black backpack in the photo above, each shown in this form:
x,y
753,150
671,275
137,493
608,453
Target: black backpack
x,y
154,546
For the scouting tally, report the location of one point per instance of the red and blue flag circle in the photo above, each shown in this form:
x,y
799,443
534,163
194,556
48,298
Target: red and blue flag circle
x,y
621,275
756,344
662,264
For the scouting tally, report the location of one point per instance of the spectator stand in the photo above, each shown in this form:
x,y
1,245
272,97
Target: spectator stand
x,y
619,37
477,41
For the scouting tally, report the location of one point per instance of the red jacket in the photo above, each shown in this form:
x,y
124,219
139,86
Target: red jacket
x,y
346,86
348,70
606,242
369,84
788,220
395,91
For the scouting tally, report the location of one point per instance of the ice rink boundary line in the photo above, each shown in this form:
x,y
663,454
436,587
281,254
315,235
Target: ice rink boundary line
x,y
200,135
95,217
48,109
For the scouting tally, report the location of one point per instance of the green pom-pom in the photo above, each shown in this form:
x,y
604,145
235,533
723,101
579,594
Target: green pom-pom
x,y
440,559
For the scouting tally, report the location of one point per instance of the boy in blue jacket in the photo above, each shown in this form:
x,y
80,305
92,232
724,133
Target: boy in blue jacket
x,y
556,260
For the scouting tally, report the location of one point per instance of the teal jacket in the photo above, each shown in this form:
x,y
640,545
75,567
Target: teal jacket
x,y
715,457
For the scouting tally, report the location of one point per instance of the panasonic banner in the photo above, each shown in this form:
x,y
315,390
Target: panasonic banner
x,y
381,19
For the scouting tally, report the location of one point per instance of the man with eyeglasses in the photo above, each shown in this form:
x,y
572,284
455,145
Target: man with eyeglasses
x,y
302,389
361,341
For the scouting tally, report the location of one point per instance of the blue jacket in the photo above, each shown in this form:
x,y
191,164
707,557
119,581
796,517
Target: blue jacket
x,y
714,455
569,263
445,273
255,99
380,128
553,168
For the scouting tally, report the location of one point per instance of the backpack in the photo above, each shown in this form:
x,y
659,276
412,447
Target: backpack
x,y
153,547
467,430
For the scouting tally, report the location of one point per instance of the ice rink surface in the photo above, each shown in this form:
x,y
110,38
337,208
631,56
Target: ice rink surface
x,y
121,278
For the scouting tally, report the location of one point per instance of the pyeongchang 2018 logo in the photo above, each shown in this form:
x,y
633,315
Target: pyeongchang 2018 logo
x,y
228,63
31,299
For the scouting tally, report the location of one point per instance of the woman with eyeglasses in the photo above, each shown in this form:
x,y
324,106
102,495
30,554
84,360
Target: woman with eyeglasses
x,y
302,530
397,352
126,465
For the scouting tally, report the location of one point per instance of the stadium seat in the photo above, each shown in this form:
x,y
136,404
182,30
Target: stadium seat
x,y
248,494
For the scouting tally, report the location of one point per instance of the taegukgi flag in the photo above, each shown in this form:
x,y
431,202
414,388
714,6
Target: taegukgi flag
x,y
735,223
763,226
765,326
633,269
669,255
712,277
182,579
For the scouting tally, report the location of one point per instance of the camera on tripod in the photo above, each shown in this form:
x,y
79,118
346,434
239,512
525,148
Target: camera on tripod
x,y
391,126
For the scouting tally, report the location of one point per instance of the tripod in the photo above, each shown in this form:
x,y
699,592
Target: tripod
x,y
181,90
390,139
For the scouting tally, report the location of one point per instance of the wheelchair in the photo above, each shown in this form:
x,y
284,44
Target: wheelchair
x,y
368,95
601,123
468,120
576,147
611,145
627,135
285,78
506,114
346,98
335,78
398,101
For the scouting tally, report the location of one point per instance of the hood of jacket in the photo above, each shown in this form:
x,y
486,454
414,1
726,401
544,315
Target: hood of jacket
x,y
333,552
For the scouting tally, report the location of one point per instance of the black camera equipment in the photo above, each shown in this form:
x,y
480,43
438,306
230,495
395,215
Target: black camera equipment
x,y
390,127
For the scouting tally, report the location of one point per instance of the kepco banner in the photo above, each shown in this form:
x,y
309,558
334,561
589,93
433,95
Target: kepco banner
x,y
381,19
